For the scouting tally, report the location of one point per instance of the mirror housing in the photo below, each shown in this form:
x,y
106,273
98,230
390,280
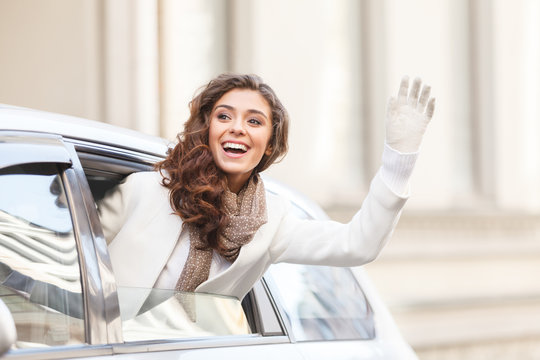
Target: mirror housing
x,y
8,333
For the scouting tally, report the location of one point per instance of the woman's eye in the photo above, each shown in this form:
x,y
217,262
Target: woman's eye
x,y
223,117
254,122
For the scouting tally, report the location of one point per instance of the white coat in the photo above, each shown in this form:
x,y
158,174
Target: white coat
x,y
142,231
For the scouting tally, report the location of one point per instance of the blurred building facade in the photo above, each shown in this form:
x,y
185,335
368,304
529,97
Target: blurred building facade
x,y
468,241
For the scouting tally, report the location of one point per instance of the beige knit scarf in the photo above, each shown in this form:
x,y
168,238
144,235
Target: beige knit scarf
x,y
246,213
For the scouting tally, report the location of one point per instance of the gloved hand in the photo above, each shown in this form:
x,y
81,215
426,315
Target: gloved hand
x,y
407,116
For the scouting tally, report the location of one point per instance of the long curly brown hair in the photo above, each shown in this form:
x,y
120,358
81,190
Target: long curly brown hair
x,y
196,185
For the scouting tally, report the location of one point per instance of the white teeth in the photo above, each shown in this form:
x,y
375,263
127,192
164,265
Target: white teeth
x,y
230,145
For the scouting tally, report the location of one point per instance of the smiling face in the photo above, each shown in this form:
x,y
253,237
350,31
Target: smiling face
x,y
239,134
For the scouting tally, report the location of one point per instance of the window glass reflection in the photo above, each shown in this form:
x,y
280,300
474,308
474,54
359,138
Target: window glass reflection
x,y
153,314
39,268
323,303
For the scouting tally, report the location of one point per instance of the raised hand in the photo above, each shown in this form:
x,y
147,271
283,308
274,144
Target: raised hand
x,y
407,116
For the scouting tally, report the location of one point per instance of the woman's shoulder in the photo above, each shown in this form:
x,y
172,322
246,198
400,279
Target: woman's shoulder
x,y
143,189
146,177
144,182
276,204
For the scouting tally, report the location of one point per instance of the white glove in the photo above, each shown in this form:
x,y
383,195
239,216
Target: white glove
x,y
407,116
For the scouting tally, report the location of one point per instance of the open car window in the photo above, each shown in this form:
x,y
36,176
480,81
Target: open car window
x,y
211,315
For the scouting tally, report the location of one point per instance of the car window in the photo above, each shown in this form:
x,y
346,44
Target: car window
x,y
322,303
154,314
165,314
40,278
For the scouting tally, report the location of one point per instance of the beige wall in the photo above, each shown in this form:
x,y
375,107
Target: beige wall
x,y
313,66
334,63
50,56
193,40
516,76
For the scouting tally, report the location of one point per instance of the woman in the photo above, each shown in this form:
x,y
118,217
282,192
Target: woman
x,y
203,221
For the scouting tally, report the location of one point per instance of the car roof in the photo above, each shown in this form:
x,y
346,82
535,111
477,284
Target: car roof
x,y
25,119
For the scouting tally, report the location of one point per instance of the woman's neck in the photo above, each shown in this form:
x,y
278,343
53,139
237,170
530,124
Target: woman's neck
x,y
235,182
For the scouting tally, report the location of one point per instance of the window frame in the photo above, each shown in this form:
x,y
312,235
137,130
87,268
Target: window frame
x,y
41,148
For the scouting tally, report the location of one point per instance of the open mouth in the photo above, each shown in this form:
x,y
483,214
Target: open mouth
x,y
235,148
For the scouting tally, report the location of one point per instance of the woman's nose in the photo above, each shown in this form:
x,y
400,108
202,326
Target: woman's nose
x,y
237,127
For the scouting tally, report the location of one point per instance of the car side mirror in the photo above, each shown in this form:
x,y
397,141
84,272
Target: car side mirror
x,y
8,333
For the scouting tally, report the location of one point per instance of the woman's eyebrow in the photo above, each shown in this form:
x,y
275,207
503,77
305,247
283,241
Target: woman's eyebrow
x,y
232,108
255,111
228,107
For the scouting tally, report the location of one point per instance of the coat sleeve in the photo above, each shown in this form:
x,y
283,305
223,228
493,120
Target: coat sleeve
x,y
335,244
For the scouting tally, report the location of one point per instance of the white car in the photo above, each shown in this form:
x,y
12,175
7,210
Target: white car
x,y
59,298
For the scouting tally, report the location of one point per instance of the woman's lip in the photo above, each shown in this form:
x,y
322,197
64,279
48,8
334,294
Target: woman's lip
x,y
234,142
234,155
231,154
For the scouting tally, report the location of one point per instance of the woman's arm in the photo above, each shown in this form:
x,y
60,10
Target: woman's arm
x,y
337,244
361,240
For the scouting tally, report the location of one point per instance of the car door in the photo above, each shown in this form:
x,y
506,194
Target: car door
x,y
49,278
